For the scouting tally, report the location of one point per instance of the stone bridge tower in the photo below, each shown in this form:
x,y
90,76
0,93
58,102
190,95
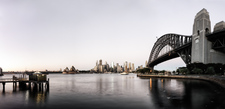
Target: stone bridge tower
x,y
200,44
202,51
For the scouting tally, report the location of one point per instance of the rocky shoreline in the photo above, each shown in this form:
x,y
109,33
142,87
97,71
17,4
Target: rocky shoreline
x,y
216,79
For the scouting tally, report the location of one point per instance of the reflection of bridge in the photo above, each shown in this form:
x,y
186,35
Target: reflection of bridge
x,y
202,46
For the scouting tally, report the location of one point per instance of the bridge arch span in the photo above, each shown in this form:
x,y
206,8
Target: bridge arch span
x,y
170,46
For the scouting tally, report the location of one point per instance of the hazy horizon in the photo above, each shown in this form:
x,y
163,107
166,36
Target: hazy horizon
x,y
54,34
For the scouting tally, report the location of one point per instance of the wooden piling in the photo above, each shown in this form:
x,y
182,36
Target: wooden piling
x,y
3,84
34,85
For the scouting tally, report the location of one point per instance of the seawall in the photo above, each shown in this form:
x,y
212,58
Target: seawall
x,y
216,79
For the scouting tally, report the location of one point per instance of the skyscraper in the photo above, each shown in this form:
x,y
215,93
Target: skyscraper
x,y
129,65
100,62
132,67
97,63
112,64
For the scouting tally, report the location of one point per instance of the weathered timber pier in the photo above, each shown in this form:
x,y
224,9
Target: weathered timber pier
x,y
31,84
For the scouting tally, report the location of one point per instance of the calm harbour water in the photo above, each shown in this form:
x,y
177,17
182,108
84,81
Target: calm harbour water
x,y
114,91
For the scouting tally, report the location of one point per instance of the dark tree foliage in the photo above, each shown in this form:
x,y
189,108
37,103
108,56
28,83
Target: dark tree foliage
x,y
210,68
183,70
144,70
197,71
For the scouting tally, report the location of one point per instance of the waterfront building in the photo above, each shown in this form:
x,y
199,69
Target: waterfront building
x,y
132,67
97,63
66,69
125,69
112,64
100,62
129,65
100,68
71,71
106,66
140,67
116,68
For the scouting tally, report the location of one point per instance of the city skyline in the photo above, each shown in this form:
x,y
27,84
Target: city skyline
x,y
104,68
54,34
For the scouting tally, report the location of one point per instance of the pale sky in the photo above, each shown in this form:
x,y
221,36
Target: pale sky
x,y
54,34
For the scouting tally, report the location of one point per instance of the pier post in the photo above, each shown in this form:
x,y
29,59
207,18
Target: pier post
x,y
29,85
14,86
39,86
35,86
47,85
42,86
3,84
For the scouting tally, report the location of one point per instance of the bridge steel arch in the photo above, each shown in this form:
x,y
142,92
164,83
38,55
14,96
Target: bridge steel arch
x,y
218,40
180,47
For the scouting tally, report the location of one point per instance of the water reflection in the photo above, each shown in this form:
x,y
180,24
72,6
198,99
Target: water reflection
x,y
113,91
39,97
30,96
185,94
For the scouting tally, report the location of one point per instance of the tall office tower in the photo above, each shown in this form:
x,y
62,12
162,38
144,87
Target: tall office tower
x,y
100,68
114,68
118,69
132,67
112,64
97,63
100,62
129,65
107,66
125,69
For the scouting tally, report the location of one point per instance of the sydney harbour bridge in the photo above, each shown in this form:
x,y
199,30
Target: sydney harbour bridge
x,y
203,46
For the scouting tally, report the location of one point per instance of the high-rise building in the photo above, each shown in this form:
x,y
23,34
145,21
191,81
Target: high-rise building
x,y
112,64
129,65
97,63
132,67
100,62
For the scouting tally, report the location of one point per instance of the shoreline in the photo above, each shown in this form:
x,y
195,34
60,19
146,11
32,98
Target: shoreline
x,y
220,80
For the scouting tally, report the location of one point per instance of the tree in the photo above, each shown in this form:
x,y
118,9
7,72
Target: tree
x,y
218,68
144,70
156,71
210,70
197,71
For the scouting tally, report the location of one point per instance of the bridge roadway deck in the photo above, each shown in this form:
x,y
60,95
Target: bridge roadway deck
x,y
220,80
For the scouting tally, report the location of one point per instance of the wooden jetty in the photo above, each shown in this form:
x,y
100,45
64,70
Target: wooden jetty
x,y
34,82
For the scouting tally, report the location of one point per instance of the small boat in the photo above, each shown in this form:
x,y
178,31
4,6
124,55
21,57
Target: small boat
x,y
124,73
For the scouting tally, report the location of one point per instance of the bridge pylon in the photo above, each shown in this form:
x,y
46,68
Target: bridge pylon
x,y
202,51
